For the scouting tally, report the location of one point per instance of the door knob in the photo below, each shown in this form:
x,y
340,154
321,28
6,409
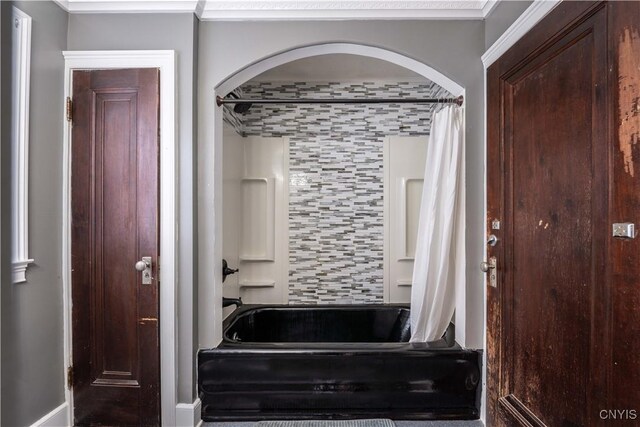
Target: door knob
x,y
492,240
141,265
486,266
490,267
144,265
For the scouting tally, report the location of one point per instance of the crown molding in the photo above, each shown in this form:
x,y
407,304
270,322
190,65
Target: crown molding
x,y
231,10
125,6
529,18
237,10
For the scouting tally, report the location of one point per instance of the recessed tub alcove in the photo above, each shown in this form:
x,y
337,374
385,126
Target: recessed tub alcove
x,y
334,362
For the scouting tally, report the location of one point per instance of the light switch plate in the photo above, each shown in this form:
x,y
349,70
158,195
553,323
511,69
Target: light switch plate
x,y
626,230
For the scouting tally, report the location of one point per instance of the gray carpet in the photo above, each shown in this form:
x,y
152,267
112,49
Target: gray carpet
x,y
474,423
318,423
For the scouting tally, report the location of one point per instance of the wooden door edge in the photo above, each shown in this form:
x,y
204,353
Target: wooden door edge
x,y
518,411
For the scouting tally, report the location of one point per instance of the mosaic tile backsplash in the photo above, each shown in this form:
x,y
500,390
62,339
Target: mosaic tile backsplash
x,y
336,231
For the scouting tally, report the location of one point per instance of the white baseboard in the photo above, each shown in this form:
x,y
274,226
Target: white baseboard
x,y
188,414
59,417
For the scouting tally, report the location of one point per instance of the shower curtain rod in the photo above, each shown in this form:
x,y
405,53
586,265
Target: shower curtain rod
x,y
248,101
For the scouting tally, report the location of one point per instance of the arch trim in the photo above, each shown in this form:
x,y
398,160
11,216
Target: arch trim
x,y
252,70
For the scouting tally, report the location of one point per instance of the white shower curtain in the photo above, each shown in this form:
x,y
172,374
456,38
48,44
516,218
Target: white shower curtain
x,y
439,265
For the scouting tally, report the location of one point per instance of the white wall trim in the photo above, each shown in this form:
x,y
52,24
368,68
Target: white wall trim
x,y
234,10
20,82
57,418
165,60
529,18
188,414
210,169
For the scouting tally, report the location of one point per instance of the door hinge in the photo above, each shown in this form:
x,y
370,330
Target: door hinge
x,y
69,109
70,377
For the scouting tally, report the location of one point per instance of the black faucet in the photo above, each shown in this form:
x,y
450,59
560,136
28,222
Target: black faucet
x,y
226,302
226,270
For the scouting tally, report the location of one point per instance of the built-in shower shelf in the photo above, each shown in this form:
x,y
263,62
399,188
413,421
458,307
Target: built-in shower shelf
x,y
249,258
404,282
257,233
257,284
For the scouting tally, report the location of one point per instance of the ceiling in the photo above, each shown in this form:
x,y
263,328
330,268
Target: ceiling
x,y
339,68
234,10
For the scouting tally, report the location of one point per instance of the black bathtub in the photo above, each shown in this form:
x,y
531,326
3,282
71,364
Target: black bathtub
x,y
303,362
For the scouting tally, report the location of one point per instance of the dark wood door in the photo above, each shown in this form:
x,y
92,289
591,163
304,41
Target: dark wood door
x,y
114,198
553,185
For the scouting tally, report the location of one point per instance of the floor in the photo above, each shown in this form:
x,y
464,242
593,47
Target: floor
x,y
474,423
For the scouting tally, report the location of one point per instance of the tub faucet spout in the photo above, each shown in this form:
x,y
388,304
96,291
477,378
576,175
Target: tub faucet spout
x,y
226,302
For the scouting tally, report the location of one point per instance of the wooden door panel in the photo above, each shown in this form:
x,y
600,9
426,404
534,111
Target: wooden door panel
x,y
548,175
551,230
114,352
115,223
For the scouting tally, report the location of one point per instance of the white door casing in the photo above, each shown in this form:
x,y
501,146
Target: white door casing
x,y
164,60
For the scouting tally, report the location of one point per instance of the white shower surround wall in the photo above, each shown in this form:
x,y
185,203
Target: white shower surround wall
x,y
336,233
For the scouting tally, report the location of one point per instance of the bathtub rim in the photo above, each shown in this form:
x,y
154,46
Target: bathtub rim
x,y
443,344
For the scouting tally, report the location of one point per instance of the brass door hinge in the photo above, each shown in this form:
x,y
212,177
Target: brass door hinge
x,y
69,109
70,377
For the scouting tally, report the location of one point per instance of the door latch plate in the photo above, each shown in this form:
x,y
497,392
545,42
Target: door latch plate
x,y
146,273
490,267
625,230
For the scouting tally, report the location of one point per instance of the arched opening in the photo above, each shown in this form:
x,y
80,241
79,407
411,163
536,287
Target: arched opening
x,y
211,227
263,65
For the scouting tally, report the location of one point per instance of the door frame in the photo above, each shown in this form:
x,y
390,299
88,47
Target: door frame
x,y
164,60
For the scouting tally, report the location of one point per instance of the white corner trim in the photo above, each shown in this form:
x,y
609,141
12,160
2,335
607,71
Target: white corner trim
x,y
59,417
200,8
64,4
488,7
529,18
20,82
233,10
188,414
165,61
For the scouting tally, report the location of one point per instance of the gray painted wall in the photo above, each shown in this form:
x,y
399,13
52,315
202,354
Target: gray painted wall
x,y
32,333
451,47
32,355
501,18
177,32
